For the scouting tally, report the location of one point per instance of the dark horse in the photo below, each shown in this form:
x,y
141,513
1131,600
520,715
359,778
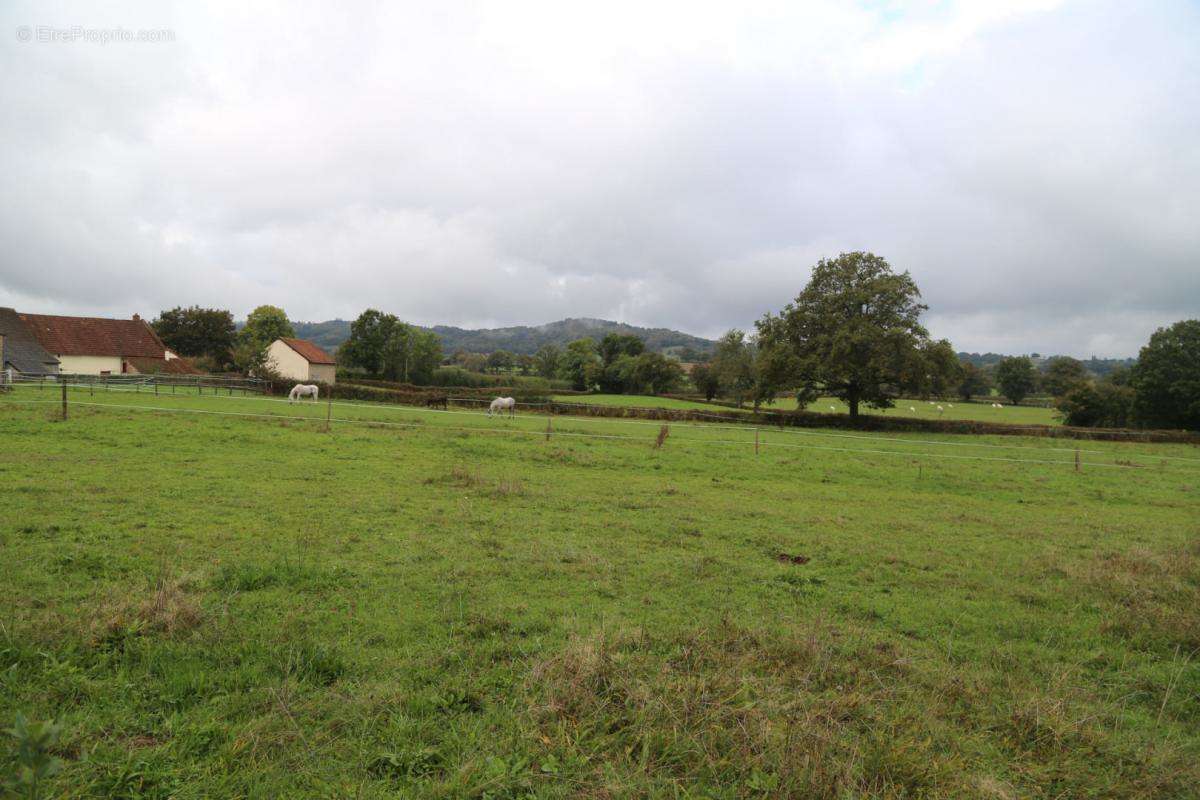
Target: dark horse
x,y
438,401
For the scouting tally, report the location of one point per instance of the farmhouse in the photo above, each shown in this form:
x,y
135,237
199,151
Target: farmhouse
x,y
19,350
300,360
97,346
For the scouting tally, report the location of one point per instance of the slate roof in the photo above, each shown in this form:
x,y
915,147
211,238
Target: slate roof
x,y
309,351
21,350
94,336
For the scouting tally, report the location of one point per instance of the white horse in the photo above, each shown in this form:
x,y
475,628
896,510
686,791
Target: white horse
x,y
500,404
303,390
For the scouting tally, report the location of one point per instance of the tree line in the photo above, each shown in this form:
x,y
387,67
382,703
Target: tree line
x,y
854,332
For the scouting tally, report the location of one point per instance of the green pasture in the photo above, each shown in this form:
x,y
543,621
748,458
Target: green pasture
x,y
218,597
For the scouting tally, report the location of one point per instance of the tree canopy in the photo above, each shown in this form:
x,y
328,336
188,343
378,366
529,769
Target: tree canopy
x,y
615,345
733,365
264,325
581,363
548,360
196,331
1017,378
974,381
854,333
1061,374
1100,404
706,381
1167,378
383,345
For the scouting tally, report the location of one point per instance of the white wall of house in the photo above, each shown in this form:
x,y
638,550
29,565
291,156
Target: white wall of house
x,y
89,365
322,373
287,362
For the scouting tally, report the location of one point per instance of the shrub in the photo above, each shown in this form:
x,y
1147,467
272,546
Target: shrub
x,y
1099,405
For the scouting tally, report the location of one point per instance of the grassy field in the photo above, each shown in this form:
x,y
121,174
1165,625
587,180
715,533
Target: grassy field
x,y
637,400
424,604
1012,415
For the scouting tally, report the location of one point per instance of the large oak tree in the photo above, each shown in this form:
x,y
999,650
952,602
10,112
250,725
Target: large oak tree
x,y
853,333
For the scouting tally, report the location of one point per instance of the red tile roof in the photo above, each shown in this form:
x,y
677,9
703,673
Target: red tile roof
x,y
93,336
174,366
309,351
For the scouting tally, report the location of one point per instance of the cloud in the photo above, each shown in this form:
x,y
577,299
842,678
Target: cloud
x,y
1034,165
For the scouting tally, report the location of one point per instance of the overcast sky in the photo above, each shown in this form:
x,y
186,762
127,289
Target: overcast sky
x,y
1035,165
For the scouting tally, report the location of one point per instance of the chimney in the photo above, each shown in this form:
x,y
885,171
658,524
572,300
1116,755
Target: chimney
x,y
136,318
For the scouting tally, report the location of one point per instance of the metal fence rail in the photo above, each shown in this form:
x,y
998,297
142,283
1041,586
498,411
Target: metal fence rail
x,y
152,382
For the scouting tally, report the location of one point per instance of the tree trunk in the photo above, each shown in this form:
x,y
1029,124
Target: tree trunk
x,y
852,401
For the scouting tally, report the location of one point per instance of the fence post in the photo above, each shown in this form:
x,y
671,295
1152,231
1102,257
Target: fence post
x,y
64,398
549,427
756,441
156,387
1077,459
328,409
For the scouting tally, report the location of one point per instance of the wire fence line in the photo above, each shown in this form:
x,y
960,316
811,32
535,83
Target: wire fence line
x,y
736,427
151,380
574,434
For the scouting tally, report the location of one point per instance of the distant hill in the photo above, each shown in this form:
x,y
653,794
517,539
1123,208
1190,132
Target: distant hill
x,y
1097,366
329,335
524,338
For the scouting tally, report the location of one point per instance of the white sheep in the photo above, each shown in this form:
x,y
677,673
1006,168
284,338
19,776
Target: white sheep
x,y
910,408
831,408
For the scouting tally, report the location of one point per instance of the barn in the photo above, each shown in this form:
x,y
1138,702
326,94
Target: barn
x,y
301,360
100,346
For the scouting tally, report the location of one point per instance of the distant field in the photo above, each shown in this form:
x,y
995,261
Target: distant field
x,y
637,400
1013,415
922,409
441,605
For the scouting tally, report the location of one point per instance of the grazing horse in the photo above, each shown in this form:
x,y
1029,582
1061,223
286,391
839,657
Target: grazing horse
x,y
500,404
303,390
438,401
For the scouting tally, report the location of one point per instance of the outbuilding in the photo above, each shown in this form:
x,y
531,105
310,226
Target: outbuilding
x,y
301,360
20,352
